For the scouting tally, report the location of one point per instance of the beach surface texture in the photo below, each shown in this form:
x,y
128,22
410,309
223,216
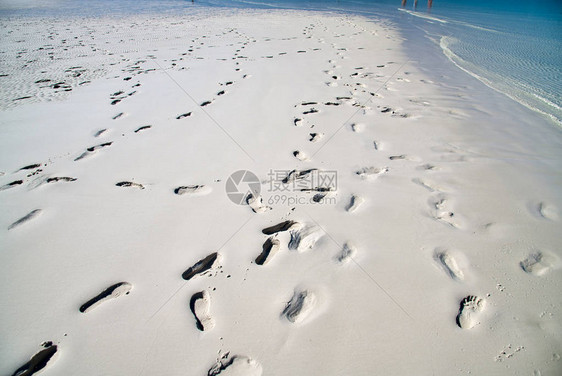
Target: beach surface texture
x,y
267,192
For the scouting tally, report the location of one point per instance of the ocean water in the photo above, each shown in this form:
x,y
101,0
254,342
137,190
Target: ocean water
x,y
514,47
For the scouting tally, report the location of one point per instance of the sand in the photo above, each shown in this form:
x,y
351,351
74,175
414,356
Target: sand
x,y
426,235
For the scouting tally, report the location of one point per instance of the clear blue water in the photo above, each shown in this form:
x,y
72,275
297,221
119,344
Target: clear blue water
x,y
513,46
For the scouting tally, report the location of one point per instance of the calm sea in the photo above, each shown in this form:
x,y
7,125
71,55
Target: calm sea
x,y
514,47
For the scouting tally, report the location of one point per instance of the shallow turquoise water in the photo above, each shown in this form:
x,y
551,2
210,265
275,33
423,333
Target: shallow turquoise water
x,y
515,47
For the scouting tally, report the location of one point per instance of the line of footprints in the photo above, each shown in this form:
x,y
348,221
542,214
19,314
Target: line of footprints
x,y
302,236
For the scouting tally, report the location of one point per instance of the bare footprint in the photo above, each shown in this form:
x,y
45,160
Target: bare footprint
x,y
200,305
112,292
295,175
300,155
449,264
323,196
144,127
280,227
187,114
346,254
469,311
30,167
100,132
439,204
91,150
38,361
256,203
315,137
371,172
56,179
357,127
538,263
129,184
428,184
403,157
237,365
547,211
193,190
300,306
26,218
428,167
354,203
269,249
203,266
13,184
304,237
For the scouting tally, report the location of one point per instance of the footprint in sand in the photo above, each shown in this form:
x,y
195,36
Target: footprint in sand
x,y
100,132
448,218
269,249
144,127
56,179
300,306
428,184
438,204
469,311
354,203
187,114
428,167
235,365
304,237
311,111
26,218
280,227
193,190
449,264
38,361
30,167
538,263
357,127
129,184
11,185
371,173
295,175
547,211
315,137
200,305
203,267
300,155
112,292
256,203
324,194
91,150
346,254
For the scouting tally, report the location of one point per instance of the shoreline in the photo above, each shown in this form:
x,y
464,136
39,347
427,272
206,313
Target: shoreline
x,y
453,189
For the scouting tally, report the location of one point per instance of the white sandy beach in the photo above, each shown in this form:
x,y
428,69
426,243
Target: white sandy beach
x,y
447,264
